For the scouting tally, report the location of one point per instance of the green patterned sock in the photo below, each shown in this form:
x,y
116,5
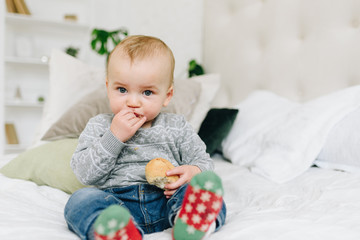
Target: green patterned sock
x,y
115,223
201,205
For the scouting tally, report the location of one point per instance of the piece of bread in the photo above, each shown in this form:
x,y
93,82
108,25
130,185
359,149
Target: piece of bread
x,y
155,172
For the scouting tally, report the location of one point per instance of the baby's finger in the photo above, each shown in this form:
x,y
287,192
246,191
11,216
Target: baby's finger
x,y
139,122
171,186
175,185
169,193
175,171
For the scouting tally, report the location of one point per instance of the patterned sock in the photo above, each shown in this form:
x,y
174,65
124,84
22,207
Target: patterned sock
x,y
115,223
201,205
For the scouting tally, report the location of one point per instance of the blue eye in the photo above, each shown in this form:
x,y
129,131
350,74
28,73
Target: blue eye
x,y
147,92
122,90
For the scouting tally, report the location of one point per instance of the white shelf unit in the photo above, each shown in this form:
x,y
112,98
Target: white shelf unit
x,y
2,46
14,18
23,104
26,60
27,44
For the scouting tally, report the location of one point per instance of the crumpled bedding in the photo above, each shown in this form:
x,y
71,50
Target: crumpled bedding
x,y
280,139
319,204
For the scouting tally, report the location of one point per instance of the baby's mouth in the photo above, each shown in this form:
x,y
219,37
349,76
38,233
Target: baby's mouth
x,y
137,115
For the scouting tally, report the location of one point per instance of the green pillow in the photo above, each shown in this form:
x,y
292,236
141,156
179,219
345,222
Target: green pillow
x,y
216,126
48,164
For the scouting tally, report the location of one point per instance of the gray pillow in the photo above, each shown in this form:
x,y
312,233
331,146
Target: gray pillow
x,y
73,121
186,95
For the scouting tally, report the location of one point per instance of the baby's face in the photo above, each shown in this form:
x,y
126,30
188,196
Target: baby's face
x,y
142,86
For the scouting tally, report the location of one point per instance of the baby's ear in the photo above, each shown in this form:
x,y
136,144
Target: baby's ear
x,y
169,95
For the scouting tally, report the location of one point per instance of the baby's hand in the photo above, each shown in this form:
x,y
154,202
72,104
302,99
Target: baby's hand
x,y
185,172
125,124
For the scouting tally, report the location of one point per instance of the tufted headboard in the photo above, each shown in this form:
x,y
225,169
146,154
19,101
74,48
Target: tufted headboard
x,y
298,49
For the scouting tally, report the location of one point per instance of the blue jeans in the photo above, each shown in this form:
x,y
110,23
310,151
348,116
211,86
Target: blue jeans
x,y
150,209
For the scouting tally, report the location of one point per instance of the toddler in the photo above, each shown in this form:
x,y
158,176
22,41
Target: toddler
x,y
114,149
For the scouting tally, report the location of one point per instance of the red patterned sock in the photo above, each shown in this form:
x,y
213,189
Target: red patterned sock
x,y
201,205
115,223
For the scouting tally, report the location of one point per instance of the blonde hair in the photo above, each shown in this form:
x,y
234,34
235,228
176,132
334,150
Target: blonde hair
x,y
140,47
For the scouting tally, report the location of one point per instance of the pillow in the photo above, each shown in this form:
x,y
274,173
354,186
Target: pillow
x,y
279,139
48,164
73,121
341,150
210,84
186,96
192,98
84,85
70,80
216,125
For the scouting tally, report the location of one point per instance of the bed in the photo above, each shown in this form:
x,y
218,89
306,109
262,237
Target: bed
x,y
288,156
321,204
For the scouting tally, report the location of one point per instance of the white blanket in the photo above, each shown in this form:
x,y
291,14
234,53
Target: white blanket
x,y
279,139
320,205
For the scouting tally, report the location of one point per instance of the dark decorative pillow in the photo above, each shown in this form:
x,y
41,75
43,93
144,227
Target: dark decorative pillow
x,y
216,126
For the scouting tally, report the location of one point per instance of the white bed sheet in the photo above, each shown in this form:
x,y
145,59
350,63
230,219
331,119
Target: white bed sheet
x,y
320,204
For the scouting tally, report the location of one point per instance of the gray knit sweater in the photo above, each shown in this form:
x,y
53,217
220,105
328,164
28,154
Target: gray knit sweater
x,y
100,159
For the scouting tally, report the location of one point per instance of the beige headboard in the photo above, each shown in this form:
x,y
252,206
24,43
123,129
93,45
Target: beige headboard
x,y
299,49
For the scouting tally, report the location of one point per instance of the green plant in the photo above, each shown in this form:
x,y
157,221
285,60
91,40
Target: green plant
x,y
195,69
41,99
103,41
72,51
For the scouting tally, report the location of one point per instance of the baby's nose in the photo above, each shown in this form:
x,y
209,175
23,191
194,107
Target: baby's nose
x,y
133,101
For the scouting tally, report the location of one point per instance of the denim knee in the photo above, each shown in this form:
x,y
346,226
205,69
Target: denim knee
x,y
84,199
84,206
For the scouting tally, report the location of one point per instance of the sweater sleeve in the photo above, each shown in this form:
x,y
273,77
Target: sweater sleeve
x,y
193,149
97,152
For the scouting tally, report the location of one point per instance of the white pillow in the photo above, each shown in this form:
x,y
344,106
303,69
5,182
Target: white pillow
x,y
342,148
210,84
259,110
279,139
70,80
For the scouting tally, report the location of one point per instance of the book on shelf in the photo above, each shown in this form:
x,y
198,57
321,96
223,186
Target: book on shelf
x,y
10,132
21,7
10,5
